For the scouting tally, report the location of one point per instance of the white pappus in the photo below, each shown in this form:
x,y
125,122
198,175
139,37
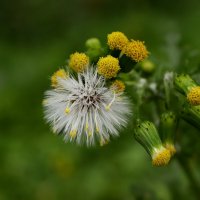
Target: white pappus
x,y
84,110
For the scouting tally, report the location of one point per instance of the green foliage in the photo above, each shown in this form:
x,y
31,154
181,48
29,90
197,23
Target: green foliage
x,y
36,37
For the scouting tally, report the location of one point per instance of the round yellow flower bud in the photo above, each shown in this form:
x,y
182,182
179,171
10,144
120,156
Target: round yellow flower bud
x,y
61,73
193,96
136,50
118,86
117,40
108,66
78,61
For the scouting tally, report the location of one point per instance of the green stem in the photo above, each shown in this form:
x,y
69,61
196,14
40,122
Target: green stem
x,y
136,114
194,184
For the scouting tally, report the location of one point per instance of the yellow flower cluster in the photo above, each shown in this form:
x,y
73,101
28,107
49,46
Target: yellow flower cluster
x,y
171,148
136,50
78,61
161,157
61,73
108,66
117,40
118,86
193,96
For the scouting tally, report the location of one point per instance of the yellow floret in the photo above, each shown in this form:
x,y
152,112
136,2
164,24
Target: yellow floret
x,y
78,61
108,66
117,40
67,110
73,133
89,133
171,148
61,73
161,157
118,86
193,96
103,142
136,50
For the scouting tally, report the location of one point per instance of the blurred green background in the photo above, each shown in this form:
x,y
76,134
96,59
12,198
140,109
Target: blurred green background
x,y
36,37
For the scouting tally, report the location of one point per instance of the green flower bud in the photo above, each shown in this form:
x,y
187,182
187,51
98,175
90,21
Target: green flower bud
x,y
94,49
184,83
187,86
94,54
147,66
146,134
191,114
168,128
93,43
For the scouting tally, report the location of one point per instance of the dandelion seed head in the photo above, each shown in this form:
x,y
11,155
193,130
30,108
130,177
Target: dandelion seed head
x,y
77,108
